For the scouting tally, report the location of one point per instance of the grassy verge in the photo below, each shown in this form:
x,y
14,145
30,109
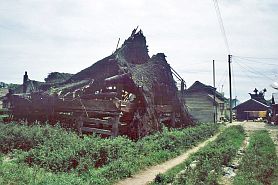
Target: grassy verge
x,y
17,136
92,159
205,166
260,163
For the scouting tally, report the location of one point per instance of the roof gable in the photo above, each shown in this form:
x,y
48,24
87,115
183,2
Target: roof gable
x,y
197,86
252,105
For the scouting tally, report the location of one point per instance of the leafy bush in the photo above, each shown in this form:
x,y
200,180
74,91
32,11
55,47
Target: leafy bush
x,y
260,163
93,159
23,137
19,173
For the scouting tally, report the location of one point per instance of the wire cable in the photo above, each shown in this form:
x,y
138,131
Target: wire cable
x,y
241,68
233,81
222,79
243,58
259,58
256,72
221,24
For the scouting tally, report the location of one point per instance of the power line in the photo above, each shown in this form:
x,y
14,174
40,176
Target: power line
x,y
246,59
242,67
252,70
259,58
262,70
233,78
222,79
221,24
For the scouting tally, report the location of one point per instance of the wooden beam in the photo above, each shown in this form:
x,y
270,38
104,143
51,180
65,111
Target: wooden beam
x,y
92,104
164,108
115,126
165,119
89,111
96,130
98,121
173,119
100,95
118,79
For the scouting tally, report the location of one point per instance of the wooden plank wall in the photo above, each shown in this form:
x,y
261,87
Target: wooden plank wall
x,y
200,107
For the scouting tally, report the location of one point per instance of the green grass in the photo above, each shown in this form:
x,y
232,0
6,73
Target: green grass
x,y
208,160
260,163
66,157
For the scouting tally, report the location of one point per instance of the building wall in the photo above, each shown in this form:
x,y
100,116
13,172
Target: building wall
x,y
3,92
200,107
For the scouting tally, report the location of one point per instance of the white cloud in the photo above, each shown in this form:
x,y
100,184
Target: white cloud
x,y
56,35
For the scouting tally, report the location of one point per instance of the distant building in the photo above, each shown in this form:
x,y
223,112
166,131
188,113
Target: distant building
x,y
274,105
254,108
199,98
3,92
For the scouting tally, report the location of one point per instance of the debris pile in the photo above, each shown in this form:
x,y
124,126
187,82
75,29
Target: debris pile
x,y
127,93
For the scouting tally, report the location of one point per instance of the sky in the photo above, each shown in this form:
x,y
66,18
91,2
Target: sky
x,y
43,36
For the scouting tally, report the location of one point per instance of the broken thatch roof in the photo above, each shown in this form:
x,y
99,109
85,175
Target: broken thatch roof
x,y
132,57
56,77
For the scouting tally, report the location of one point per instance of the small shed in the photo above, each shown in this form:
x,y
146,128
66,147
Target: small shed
x,y
251,109
199,98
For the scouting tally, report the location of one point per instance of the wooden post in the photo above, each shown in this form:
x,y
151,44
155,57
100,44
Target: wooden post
x,y
80,123
115,127
230,86
214,92
25,79
173,119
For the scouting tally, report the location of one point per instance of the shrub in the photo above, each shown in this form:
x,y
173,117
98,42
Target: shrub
x,y
260,163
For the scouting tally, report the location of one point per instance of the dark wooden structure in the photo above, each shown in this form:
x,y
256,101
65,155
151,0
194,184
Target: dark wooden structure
x,y
274,106
255,108
126,93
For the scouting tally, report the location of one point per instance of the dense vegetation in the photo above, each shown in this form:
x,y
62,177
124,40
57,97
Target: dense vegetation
x,y
42,154
260,163
55,77
205,166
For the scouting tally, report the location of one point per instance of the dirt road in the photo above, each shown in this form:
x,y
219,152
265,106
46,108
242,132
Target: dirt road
x,y
250,127
149,174
253,126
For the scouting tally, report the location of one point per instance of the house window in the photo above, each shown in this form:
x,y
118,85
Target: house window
x,y
221,106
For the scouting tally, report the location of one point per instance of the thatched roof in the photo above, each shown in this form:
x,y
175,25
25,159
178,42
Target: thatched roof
x,y
132,57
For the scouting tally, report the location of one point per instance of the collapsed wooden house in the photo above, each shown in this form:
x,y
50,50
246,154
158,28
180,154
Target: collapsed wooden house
x,y
126,93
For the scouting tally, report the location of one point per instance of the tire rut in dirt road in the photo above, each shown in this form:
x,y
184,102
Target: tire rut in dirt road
x,y
231,170
250,127
148,175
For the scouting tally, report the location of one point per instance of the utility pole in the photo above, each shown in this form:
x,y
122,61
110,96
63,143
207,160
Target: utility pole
x,y
230,86
214,102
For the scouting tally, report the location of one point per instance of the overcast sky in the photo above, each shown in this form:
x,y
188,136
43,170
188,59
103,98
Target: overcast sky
x,y
43,36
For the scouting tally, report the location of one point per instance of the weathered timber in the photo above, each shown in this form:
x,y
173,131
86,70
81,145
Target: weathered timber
x,y
98,121
137,92
164,108
122,78
115,126
128,106
106,95
96,130
89,105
